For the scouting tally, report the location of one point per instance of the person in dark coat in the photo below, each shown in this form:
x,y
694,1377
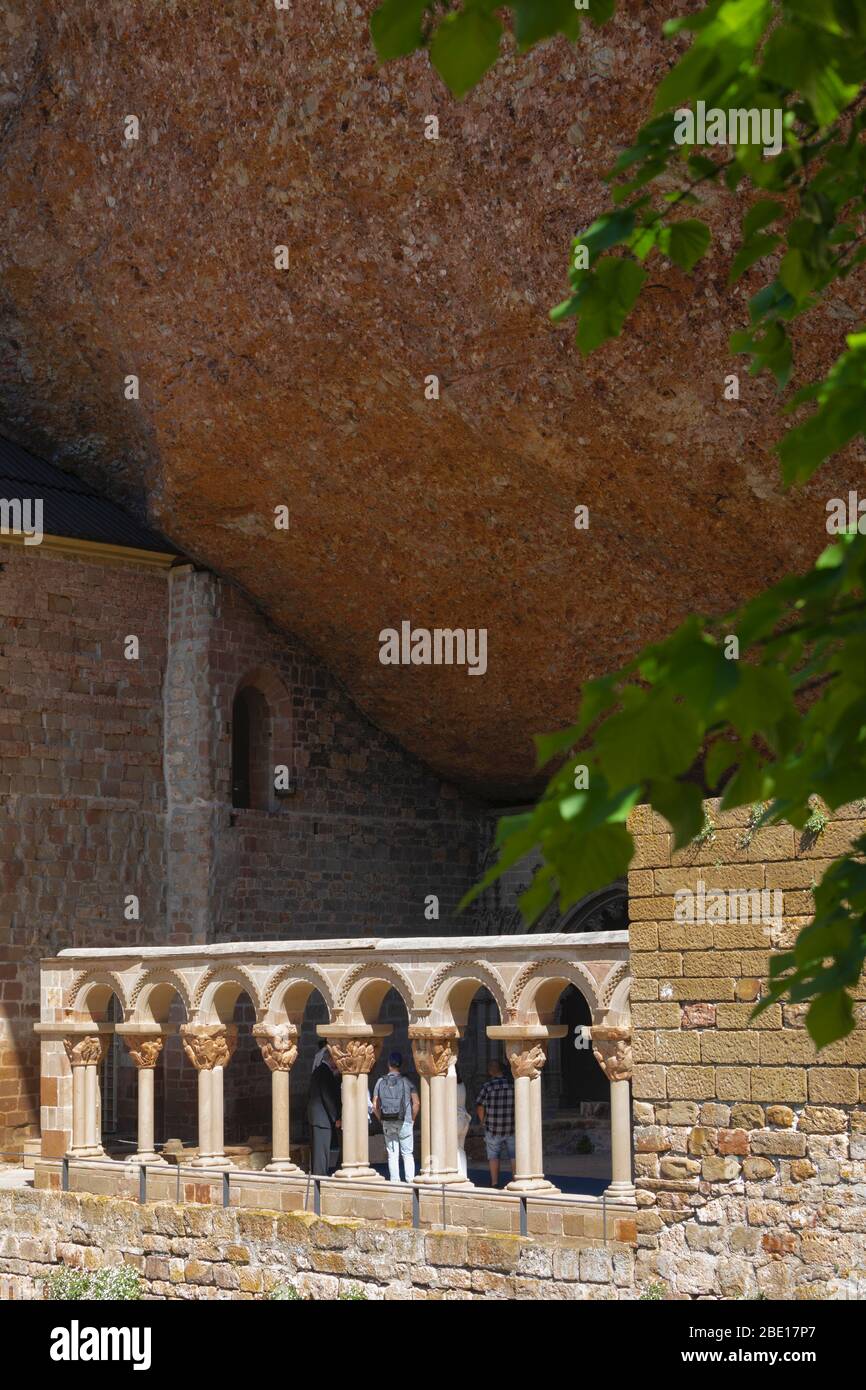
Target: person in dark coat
x,y
324,1108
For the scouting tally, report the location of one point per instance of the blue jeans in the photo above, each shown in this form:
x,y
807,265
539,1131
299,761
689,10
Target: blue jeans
x,y
399,1139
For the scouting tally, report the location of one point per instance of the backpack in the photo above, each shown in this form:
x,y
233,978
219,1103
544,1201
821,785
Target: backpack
x,y
393,1098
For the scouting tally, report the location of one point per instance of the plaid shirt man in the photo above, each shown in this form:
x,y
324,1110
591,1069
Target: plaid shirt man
x,y
497,1097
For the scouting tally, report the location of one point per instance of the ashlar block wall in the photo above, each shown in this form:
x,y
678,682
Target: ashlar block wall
x,y
750,1146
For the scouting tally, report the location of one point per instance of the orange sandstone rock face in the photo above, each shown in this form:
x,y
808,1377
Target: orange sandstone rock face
x,y
304,387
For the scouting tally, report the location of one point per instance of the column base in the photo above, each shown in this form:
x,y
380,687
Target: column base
x,y
284,1166
135,1160
530,1185
216,1161
359,1173
93,1151
621,1192
452,1179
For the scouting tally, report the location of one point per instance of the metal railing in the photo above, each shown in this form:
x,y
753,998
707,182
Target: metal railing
x,y
314,1183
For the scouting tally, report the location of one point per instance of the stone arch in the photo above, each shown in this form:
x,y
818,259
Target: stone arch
x,y
363,988
448,994
536,988
90,991
152,992
615,993
289,988
217,993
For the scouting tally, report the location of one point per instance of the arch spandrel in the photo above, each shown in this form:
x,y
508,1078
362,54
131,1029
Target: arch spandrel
x,y
536,989
218,990
90,992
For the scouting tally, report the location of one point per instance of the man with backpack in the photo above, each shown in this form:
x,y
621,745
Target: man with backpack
x,y
396,1104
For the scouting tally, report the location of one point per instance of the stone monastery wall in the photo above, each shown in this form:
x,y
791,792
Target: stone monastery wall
x,y
115,779
750,1148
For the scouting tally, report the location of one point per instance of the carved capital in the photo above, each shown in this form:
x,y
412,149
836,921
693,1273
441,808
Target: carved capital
x,y
279,1044
434,1053
611,1048
87,1051
354,1056
527,1058
144,1049
209,1046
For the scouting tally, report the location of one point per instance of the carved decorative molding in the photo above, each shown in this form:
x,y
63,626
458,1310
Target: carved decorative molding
x,y
434,1051
526,1058
144,1050
279,1044
354,1056
86,1051
209,1046
374,970
462,970
611,1048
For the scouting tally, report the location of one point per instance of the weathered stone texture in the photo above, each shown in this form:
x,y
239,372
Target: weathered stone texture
x,y
755,1135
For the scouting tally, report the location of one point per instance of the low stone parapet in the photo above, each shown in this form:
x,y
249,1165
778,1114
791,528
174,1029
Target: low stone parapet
x,y
200,1252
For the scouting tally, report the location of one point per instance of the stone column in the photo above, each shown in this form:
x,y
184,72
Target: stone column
x,y
210,1048
279,1045
435,1054
527,1056
611,1048
85,1053
145,1049
354,1058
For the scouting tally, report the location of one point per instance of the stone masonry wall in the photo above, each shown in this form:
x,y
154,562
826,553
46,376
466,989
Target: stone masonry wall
x,y
81,792
204,1252
115,779
750,1148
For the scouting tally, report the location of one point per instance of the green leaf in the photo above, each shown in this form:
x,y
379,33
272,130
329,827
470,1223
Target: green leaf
x,y
760,215
751,251
606,299
464,47
830,1017
685,242
397,27
535,20
795,275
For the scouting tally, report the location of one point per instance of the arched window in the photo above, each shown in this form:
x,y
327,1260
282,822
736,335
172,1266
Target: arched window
x,y
251,750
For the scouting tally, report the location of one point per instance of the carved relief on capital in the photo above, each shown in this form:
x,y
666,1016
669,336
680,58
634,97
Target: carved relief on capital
x,y
87,1051
434,1053
279,1044
144,1049
209,1046
526,1058
611,1048
354,1056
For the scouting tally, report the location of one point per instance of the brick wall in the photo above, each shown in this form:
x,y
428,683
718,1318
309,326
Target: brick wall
x,y
750,1147
81,795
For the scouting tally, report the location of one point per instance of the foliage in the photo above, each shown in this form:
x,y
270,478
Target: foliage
x,y
356,1294
117,1282
786,717
653,1293
286,1293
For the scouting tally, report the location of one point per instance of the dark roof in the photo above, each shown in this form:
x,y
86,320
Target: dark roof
x,y
69,507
